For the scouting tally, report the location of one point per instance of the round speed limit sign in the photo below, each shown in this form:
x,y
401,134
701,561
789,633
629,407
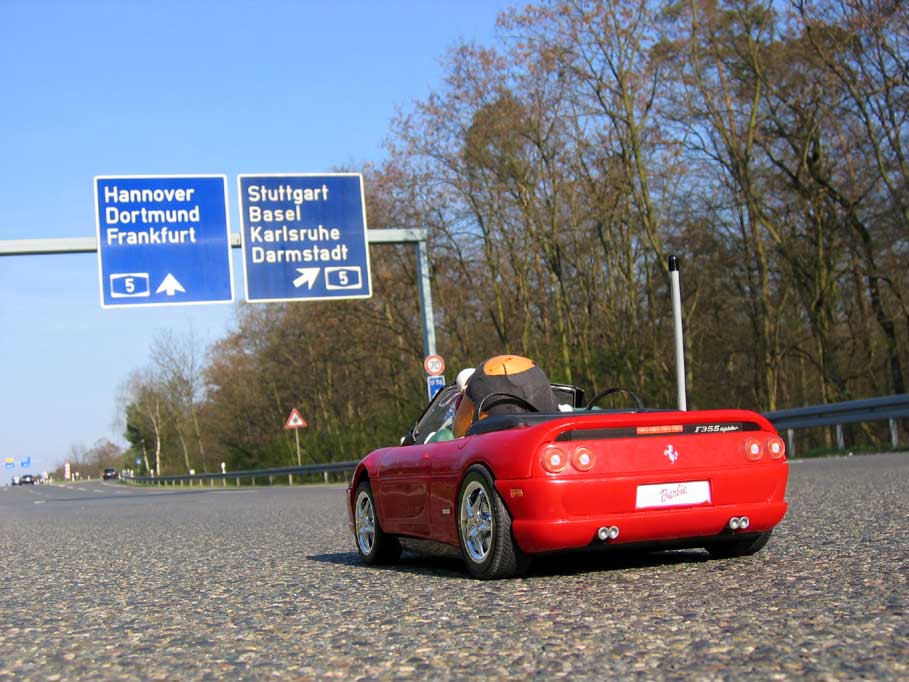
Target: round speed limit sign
x,y
434,365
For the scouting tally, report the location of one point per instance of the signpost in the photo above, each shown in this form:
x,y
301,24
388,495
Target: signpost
x,y
434,366
304,237
296,422
25,462
163,240
9,463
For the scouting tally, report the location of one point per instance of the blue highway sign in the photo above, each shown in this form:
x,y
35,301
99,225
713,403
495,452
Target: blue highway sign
x,y
304,237
163,240
25,462
434,384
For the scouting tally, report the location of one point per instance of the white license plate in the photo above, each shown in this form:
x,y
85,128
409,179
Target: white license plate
x,y
672,494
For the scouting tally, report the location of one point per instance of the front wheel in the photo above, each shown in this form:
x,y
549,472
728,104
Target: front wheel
x,y
745,546
373,545
484,529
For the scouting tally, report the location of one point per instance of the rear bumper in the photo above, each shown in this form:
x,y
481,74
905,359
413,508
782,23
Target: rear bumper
x,y
535,536
551,514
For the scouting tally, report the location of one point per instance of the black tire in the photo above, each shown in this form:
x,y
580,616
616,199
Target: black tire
x,y
742,546
374,545
484,529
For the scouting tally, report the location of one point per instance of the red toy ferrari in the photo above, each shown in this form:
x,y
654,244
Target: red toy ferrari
x,y
528,482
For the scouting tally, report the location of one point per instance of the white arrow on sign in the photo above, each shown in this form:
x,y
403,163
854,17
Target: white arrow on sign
x,y
170,286
307,276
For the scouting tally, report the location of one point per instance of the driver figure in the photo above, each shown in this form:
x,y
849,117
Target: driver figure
x,y
513,385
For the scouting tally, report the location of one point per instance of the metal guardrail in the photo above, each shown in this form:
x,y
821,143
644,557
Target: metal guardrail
x,y
251,474
851,411
891,408
833,414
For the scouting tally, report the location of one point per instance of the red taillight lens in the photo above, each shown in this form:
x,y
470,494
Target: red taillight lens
x,y
554,460
776,448
582,459
753,450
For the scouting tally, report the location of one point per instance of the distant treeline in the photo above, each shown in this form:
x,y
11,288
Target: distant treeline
x,y
766,143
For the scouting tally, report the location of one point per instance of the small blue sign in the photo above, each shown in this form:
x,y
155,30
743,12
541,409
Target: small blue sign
x,y
304,237
25,462
434,385
163,240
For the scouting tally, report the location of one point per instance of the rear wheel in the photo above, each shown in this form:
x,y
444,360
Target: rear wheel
x,y
373,545
484,529
743,546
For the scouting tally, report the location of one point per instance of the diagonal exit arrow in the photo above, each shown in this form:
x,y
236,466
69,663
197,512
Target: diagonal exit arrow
x,y
307,276
170,286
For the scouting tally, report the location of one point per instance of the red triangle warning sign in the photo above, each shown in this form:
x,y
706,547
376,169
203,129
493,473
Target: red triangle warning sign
x,y
295,420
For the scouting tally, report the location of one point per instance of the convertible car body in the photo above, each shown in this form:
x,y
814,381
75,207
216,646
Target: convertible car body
x,y
519,485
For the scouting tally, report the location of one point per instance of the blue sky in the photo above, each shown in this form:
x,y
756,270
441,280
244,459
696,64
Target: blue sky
x,y
123,87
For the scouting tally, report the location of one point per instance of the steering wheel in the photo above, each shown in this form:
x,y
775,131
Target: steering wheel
x,y
610,391
508,398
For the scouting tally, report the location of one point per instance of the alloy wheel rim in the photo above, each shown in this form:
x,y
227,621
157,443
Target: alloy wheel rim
x,y
476,521
365,523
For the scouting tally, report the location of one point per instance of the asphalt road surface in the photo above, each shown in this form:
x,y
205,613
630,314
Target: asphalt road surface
x,y
103,581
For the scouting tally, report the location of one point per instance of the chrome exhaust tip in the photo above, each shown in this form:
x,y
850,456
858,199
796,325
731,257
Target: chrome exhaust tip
x,y
744,522
735,522
608,533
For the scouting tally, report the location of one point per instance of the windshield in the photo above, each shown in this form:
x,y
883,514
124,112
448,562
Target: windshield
x,y
435,424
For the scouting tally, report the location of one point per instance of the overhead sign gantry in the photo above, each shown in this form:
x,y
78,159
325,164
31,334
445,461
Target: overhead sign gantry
x,y
144,280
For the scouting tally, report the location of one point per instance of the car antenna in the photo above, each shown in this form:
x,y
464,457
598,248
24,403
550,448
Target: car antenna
x,y
677,324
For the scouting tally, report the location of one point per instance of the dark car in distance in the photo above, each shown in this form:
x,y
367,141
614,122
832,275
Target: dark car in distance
x,y
26,479
110,474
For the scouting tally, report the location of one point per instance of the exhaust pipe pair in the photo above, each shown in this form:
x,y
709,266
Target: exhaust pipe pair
x,y
739,522
608,533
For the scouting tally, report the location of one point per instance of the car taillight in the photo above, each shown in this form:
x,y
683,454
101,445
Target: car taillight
x,y
776,448
554,460
582,459
753,449
659,430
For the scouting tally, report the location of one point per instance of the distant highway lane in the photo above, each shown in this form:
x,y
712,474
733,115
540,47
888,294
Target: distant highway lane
x,y
100,581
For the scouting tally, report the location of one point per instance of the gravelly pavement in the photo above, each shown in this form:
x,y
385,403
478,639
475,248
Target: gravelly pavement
x,y
105,582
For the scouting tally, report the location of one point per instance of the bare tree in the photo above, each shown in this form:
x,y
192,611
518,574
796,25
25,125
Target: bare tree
x,y
148,400
179,361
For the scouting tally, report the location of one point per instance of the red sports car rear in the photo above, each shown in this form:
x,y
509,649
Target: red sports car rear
x,y
704,476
